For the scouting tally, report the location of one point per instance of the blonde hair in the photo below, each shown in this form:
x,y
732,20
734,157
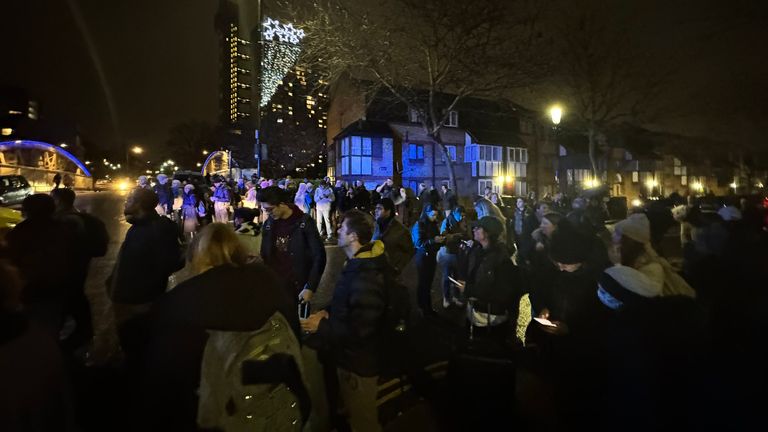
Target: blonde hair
x,y
216,245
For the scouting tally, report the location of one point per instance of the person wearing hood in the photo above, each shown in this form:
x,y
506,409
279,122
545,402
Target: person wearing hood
x,y
177,192
427,240
291,245
351,327
396,239
164,195
190,205
300,199
220,200
632,237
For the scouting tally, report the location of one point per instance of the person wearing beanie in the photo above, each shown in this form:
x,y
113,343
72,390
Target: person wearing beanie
x,y
569,297
492,280
427,240
632,237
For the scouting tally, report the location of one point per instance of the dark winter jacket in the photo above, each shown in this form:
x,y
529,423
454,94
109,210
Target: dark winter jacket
x,y
353,330
361,199
225,298
33,394
423,235
449,200
43,250
397,242
150,252
305,248
164,195
493,280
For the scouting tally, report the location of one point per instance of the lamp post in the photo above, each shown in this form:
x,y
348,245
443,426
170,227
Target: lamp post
x,y
555,115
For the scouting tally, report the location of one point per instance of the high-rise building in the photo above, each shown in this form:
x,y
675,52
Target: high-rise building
x,y
236,69
294,118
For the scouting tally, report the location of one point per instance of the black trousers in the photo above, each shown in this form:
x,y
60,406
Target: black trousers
x,y
425,266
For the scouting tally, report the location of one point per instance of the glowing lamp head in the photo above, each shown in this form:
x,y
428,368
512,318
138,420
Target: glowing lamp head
x,y
636,203
556,114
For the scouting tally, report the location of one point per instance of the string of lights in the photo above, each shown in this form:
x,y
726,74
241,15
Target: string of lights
x,y
280,52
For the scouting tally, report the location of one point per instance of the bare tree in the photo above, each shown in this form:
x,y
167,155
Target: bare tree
x,y
423,51
605,73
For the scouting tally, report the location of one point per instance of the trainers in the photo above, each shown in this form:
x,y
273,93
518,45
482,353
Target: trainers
x,y
446,303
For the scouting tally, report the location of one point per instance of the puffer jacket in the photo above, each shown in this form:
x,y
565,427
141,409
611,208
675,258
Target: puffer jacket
x,y
397,242
352,332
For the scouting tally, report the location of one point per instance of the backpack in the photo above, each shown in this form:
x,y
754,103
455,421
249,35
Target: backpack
x,y
97,237
253,381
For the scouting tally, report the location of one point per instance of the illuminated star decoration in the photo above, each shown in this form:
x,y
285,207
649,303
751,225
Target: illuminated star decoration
x,y
281,50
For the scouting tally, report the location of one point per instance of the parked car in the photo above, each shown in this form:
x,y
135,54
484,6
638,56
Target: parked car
x,y
13,189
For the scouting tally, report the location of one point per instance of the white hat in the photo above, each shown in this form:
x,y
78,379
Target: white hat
x,y
636,226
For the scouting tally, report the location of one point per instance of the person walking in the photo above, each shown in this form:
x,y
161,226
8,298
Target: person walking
x,y
427,240
351,327
291,245
324,197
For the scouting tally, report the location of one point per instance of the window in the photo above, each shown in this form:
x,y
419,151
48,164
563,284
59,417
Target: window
x,y
416,152
627,156
563,151
482,184
517,155
451,150
356,156
413,115
453,119
635,177
679,169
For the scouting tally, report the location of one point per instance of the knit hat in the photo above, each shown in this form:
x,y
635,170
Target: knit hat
x,y
492,225
568,246
162,179
176,183
143,180
730,213
188,188
636,226
621,285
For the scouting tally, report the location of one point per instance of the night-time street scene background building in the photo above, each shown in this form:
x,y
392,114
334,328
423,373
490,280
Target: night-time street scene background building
x,y
398,215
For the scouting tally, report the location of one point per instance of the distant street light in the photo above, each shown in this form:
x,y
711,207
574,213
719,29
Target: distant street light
x,y
205,152
199,164
556,114
63,145
137,150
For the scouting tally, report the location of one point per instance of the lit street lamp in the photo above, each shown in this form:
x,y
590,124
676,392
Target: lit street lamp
x,y
556,114
137,150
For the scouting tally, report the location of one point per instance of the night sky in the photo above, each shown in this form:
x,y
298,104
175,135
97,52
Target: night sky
x,y
160,61
159,58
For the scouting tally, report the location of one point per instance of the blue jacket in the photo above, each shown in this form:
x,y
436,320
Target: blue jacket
x,y
221,194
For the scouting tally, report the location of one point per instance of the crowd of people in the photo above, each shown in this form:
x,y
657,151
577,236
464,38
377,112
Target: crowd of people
x,y
234,342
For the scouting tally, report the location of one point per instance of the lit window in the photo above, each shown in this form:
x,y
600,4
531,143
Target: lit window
x,y
6,131
279,120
